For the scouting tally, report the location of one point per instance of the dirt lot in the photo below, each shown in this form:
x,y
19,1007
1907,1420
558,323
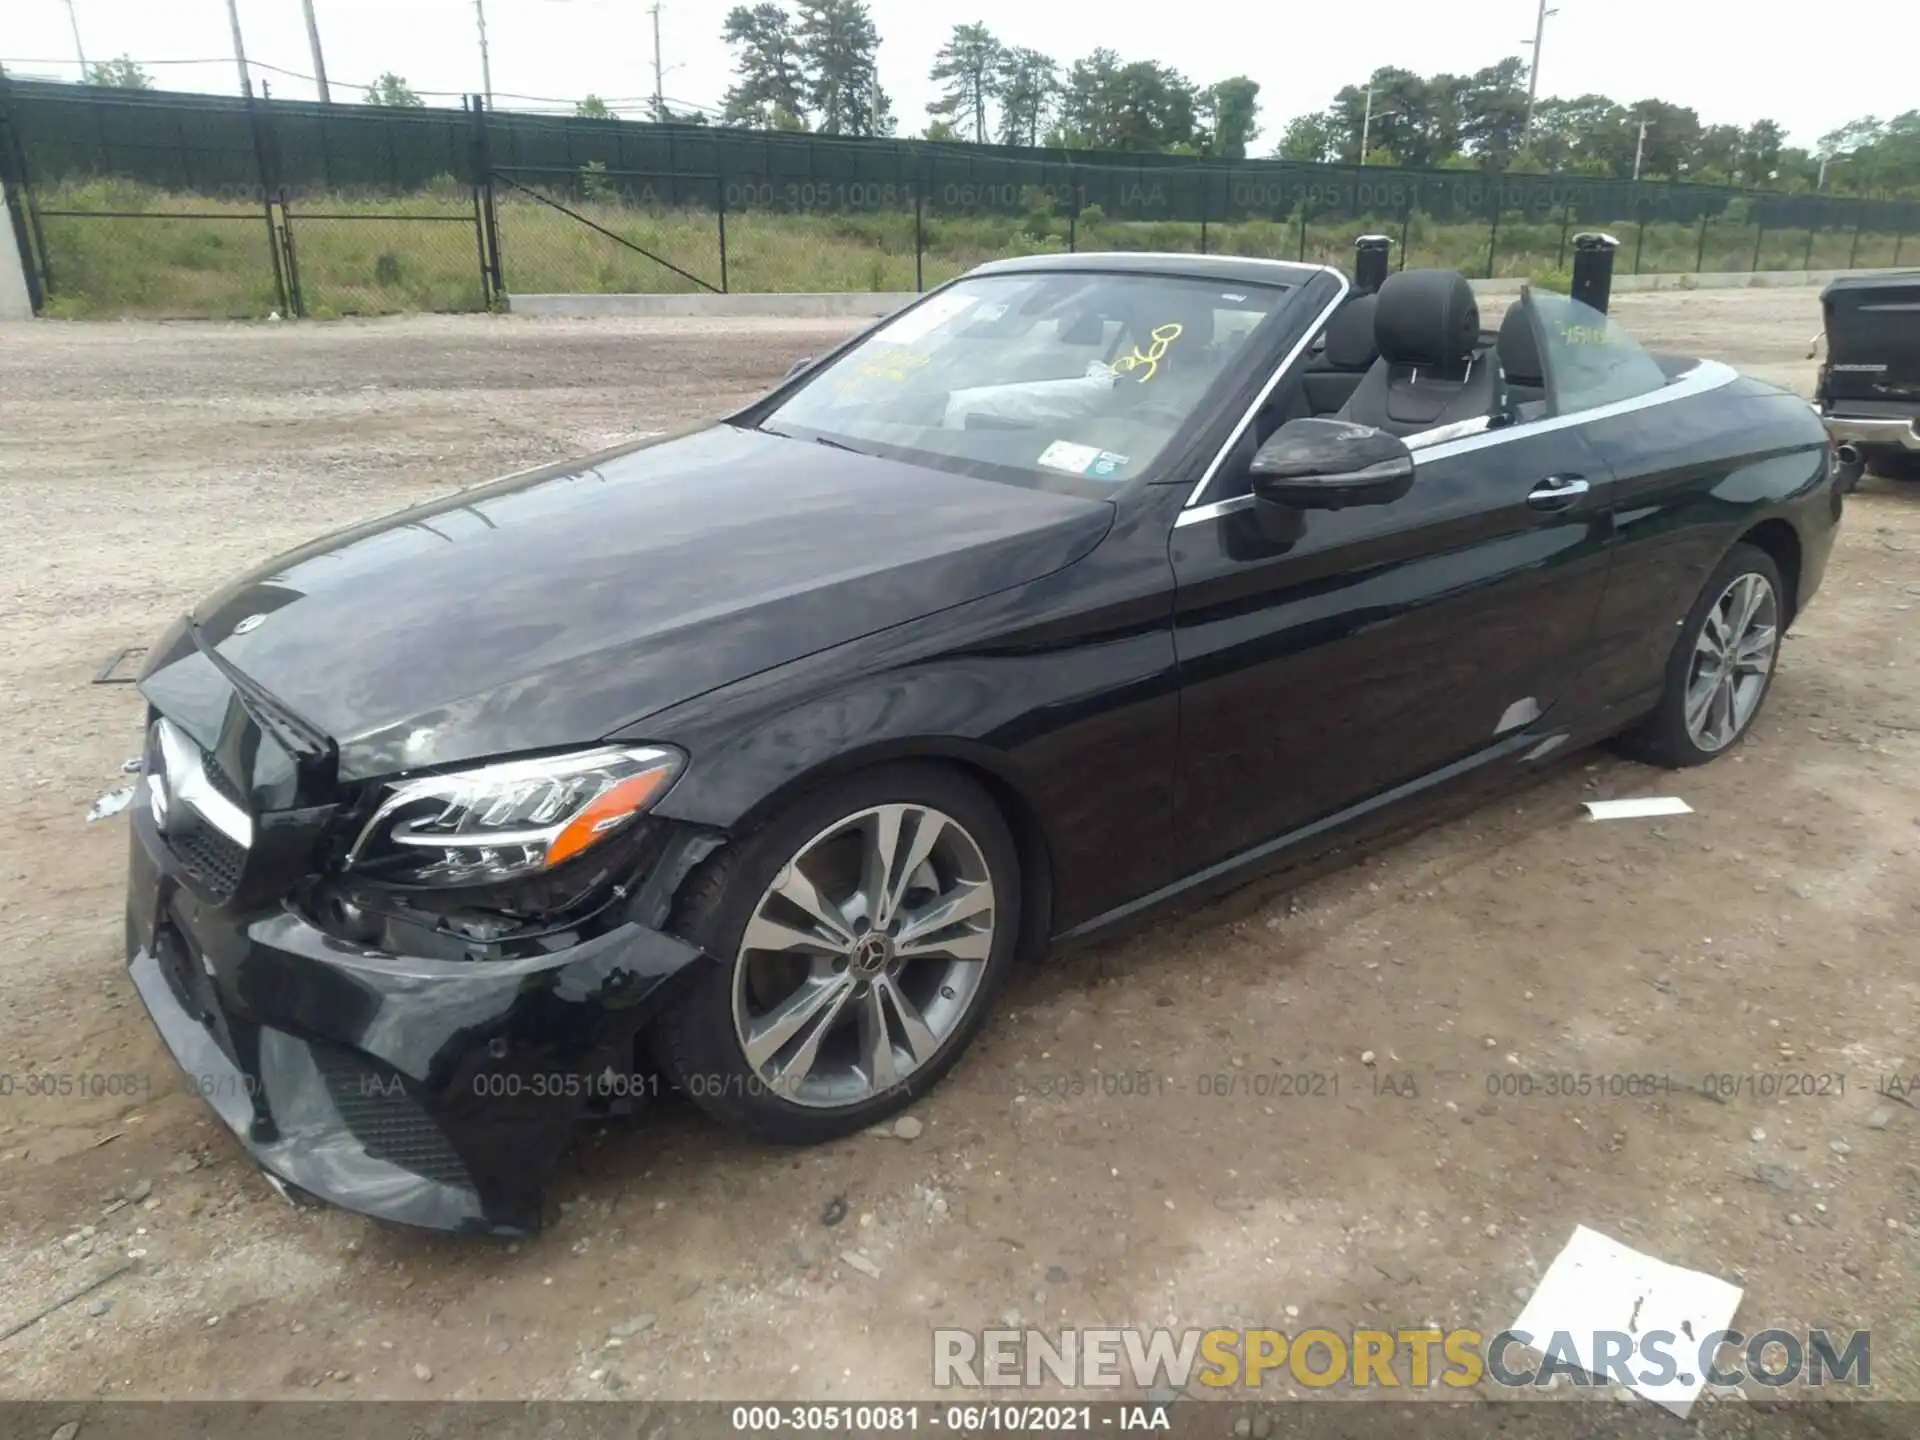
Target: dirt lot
x,y
1770,934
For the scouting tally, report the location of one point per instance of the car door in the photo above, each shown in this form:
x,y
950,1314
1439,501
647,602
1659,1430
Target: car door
x,y
1352,651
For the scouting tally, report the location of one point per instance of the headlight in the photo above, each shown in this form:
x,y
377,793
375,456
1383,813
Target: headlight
x,y
506,821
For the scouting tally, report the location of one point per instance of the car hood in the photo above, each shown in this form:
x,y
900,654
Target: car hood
x,y
557,606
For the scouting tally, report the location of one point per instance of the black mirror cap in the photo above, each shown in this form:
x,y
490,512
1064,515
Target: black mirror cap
x,y
1325,464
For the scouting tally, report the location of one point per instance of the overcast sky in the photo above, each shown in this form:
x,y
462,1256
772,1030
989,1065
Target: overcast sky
x,y
1733,61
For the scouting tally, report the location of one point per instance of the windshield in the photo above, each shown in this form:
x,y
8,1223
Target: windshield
x,y
1061,380
1589,360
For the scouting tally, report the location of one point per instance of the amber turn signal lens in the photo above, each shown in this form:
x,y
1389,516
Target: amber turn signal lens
x,y
607,813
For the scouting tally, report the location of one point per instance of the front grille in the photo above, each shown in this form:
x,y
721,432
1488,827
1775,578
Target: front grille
x,y
213,859
386,1119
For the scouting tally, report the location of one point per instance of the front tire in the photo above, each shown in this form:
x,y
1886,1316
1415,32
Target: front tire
x,y
857,942
1721,667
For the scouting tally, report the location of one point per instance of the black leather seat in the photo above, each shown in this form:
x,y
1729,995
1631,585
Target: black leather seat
x,y
1519,356
1426,324
1344,361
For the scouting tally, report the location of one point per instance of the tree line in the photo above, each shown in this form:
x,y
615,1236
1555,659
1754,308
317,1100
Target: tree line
x,y
814,67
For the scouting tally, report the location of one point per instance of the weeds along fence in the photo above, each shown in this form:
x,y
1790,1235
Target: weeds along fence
x,y
150,203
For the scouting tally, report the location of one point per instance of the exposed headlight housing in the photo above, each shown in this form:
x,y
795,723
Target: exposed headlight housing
x,y
509,821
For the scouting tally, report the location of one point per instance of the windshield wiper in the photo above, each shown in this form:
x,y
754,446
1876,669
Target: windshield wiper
x,y
817,440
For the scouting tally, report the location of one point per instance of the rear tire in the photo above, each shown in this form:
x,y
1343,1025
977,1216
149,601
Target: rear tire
x,y
1721,667
1895,464
881,994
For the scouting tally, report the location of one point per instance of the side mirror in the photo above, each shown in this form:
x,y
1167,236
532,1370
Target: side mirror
x,y
794,369
1330,465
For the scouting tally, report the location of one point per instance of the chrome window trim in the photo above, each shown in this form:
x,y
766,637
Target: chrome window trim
x,y
186,780
1287,362
1705,376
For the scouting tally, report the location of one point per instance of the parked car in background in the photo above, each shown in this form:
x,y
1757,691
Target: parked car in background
x,y
1869,388
1084,584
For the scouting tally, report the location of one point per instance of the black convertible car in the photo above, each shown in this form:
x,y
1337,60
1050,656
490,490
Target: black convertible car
x,y
1084,584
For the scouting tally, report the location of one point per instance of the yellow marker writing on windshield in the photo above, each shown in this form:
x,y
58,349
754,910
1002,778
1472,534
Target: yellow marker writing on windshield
x,y
1163,336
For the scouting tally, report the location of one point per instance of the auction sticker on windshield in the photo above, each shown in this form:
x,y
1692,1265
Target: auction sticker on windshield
x,y
1085,460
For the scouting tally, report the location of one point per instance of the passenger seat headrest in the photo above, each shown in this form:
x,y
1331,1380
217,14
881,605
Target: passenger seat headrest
x,y
1350,336
1519,352
1426,317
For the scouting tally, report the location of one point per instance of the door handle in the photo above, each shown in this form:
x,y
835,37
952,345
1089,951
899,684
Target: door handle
x,y
1556,492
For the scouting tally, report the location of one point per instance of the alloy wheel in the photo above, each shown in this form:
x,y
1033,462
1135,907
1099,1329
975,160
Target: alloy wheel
x,y
863,956
1732,659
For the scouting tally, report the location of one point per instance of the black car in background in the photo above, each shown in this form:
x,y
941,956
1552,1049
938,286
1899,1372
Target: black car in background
x,y
1869,388
1084,584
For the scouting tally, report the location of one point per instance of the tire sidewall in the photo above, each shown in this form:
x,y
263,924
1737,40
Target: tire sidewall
x,y
703,1052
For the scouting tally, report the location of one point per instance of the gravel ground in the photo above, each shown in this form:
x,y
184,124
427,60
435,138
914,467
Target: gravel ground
x,y
1770,933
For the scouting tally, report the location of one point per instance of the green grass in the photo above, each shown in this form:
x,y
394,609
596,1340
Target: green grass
x,y
189,256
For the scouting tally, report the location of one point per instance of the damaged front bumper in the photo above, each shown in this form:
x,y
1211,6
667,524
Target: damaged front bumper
x,y
427,1091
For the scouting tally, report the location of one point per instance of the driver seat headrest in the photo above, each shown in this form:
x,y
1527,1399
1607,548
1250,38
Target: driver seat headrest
x,y
1519,352
1426,317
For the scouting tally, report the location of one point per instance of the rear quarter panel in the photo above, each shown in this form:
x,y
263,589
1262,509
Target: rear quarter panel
x,y
1691,479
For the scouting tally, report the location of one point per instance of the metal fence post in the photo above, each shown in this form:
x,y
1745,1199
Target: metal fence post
x,y
483,177
479,217
1493,232
296,302
1566,224
1898,241
1759,234
720,213
1853,252
1806,258
919,229
1700,249
1073,209
19,206
266,201
1406,221
1205,177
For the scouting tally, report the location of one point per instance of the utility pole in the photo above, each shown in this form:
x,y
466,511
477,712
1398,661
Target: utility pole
x,y
486,66
1366,123
1821,183
659,75
78,48
1640,147
1533,70
319,62
239,48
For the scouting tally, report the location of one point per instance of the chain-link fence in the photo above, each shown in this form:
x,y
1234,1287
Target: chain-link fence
x,y
151,203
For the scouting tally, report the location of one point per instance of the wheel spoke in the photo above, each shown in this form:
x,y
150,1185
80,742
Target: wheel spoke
x,y
877,860
795,886
1723,726
1751,591
811,1009
1755,650
921,1041
876,1042
961,945
764,933
926,834
966,900
1700,700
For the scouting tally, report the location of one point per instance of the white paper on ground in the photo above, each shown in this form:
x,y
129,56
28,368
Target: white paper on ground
x,y
1597,1287
1636,809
